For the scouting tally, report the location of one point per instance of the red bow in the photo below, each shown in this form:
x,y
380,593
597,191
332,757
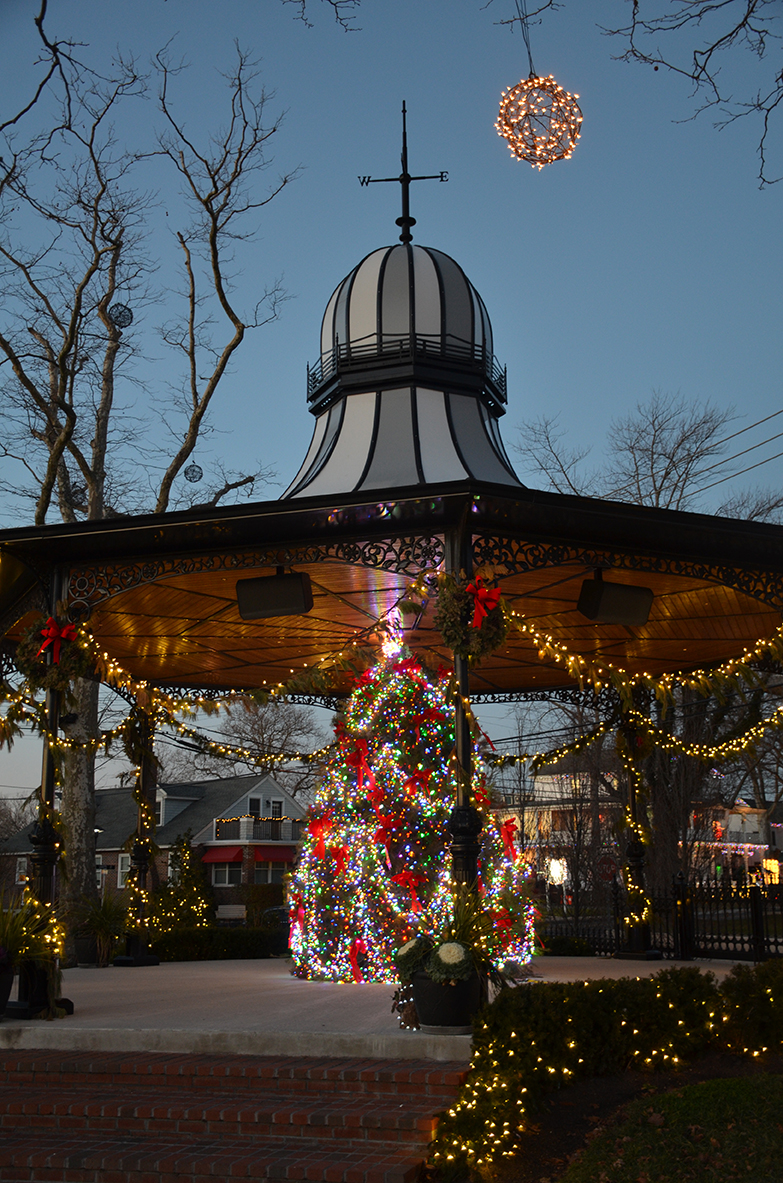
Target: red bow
x,y
357,946
410,666
383,834
417,780
340,855
430,715
53,635
358,759
375,796
508,833
484,600
410,880
366,678
317,828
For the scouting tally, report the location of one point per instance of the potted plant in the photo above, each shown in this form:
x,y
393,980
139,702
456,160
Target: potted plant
x,y
449,970
31,940
99,924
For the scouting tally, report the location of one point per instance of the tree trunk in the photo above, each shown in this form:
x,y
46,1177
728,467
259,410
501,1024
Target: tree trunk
x,y
78,806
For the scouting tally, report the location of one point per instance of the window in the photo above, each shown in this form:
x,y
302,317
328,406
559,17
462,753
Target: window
x,y
21,870
270,872
158,811
226,874
172,868
254,806
277,809
99,871
123,870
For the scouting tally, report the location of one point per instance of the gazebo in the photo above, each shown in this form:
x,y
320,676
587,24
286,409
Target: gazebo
x,y
406,475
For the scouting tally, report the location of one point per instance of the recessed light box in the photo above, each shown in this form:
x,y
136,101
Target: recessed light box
x,y
274,595
615,603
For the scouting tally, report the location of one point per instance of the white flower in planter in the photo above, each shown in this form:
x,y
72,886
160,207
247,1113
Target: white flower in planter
x,y
452,953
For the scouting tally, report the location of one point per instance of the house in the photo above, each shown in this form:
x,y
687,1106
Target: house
x,y
244,829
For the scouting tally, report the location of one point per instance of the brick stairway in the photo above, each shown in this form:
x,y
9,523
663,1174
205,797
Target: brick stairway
x,y
89,1117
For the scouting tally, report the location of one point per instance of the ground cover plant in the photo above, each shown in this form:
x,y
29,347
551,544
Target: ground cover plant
x,y
540,1037
714,1130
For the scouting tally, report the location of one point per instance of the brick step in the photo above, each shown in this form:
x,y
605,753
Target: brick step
x,y
353,1121
438,1082
96,1159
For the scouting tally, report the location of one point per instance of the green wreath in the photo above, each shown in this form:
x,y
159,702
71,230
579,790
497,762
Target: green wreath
x,y
453,617
33,664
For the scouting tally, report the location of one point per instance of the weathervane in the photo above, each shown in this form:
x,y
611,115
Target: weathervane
x,y
406,221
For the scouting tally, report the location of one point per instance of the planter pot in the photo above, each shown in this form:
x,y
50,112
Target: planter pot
x,y
86,951
6,984
446,1009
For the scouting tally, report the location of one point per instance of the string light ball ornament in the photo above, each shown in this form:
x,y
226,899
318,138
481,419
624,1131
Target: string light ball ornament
x,y
540,121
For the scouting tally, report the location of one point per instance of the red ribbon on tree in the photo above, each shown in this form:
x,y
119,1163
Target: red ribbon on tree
x,y
481,796
317,828
357,946
54,635
340,854
411,880
383,834
484,600
358,759
508,834
417,780
375,796
430,715
503,920
297,913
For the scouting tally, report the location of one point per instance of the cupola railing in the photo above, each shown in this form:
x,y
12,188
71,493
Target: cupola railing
x,y
374,352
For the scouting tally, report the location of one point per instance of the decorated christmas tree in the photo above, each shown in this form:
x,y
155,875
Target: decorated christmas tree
x,y
375,865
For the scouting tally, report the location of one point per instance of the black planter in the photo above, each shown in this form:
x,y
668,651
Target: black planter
x,y
445,1008
6,984
86,951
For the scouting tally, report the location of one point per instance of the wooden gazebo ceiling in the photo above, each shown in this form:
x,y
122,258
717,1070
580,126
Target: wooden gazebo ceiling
x,y
162,591
187,630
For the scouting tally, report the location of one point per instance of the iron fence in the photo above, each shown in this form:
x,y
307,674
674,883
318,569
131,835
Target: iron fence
x,y
710,918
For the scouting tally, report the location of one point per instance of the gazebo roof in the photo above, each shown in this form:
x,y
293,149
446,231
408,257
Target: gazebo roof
x,y
160,590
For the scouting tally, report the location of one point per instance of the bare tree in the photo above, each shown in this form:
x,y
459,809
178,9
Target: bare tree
x,y
262,730
73,268
699,36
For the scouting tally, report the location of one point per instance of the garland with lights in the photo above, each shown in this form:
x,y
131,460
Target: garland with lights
x,y
70,659
374,867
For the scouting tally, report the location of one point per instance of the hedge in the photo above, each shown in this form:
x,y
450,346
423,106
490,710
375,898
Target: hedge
x,y
542,1035
215,944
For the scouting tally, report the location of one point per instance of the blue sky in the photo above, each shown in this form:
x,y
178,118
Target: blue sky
x,y
650,260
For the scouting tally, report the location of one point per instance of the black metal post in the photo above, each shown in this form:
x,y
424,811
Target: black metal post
x,y
465,822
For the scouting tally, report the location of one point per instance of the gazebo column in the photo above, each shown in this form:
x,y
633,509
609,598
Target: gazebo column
x,y
137,947
43,837
464,822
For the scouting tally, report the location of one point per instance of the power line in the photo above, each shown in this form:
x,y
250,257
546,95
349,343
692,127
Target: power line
x,y
742,472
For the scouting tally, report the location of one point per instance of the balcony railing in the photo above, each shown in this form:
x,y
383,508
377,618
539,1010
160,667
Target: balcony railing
x,y
354,356
253,829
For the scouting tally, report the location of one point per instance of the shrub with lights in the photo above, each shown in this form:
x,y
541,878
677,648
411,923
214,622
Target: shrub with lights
x,y
543,1036
183,900
375,865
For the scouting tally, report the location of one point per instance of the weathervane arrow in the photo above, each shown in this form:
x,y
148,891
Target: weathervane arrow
x,y
404,179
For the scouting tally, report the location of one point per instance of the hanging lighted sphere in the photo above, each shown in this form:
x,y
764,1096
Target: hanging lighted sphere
x,y
539,120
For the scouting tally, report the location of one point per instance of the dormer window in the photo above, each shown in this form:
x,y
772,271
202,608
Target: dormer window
x,y
277,809
254,806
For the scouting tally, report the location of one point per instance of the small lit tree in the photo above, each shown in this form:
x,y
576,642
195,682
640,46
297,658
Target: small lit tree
x,y
183,900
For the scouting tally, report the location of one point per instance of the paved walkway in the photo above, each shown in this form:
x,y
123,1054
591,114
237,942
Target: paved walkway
x,y
258,1008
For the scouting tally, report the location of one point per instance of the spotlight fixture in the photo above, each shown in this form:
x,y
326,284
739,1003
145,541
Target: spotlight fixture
x,y
614,603
274,595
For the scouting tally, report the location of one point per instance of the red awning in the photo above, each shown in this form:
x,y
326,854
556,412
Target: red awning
x,y
223,854
278,854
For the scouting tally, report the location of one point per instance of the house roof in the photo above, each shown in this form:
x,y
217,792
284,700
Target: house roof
x,y
116,811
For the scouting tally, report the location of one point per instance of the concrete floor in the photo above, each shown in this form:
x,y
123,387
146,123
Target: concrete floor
x,y
258,1008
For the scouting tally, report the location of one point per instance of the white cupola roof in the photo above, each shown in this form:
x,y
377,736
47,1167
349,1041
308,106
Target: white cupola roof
x,y
407,391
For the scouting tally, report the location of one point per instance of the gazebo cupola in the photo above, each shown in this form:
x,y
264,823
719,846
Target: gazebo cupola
x,y
407,390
